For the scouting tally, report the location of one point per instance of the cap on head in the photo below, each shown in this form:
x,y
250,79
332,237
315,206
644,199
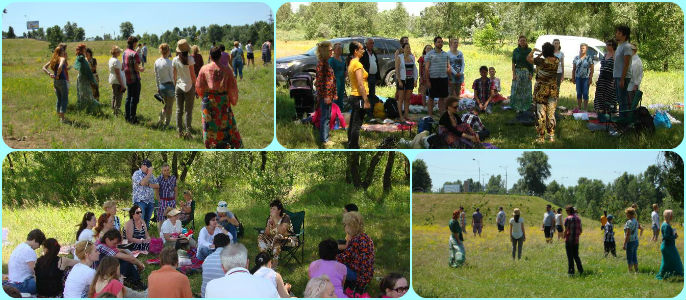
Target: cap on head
x,y
146,163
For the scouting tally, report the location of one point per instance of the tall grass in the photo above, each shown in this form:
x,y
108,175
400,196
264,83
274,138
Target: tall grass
x,y
664,88
30,121
387,222
490,271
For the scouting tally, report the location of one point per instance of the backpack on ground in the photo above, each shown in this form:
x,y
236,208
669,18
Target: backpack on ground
x,y
391,108
644,121
426,124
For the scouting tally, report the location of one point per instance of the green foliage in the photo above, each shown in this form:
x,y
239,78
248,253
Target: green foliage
x,y
487,38
673,176
10,33
54,36
421,180
267,186
73,33
126,29
534,169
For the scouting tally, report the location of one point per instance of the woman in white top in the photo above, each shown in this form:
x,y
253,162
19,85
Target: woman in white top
x,y
116,79
172,229
561,67
207,233
81,275
184,76
517,234
263,268
164,77
85,231
407,80
558,223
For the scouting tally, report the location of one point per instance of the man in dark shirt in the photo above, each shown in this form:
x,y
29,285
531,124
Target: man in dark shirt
x,y
572,232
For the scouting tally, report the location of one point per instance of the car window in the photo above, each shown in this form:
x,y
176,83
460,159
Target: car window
x,y
392,45
380,47
592,53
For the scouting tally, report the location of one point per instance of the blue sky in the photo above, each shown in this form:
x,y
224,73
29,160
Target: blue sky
x,y
98,18
566,166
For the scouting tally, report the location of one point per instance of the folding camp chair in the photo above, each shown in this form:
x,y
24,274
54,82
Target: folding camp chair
x,y
289,253
191,218
627,118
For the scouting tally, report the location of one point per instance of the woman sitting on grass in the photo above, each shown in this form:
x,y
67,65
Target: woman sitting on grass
x,y
263,268
457,253
85,231
136,231
671,260
327,265
207,234
59,66
394,285
81,275
357,253
452,129
319,287
106,279
277,233
171,229
105,223
50,270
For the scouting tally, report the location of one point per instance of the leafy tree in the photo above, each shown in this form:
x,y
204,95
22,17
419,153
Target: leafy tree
x,y
421,181
534,169
126,29
285,16
495,185
107,37
55,36
673,176
215,33
10,33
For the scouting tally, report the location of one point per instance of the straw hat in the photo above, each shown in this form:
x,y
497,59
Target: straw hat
x,y
170,212
516,212
183,46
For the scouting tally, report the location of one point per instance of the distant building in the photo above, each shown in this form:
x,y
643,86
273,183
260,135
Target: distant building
x,y
452,188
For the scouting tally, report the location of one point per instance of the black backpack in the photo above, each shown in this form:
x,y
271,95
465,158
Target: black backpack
x,y
391,108
644,120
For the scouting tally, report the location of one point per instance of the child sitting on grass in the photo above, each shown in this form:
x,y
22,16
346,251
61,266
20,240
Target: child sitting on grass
x,y
495,86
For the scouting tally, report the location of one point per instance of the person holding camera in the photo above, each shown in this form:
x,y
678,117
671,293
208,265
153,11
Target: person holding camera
x,y
144,183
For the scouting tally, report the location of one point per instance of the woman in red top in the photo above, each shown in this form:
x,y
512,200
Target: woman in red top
x,y
357,252
325,81
217,87
106,279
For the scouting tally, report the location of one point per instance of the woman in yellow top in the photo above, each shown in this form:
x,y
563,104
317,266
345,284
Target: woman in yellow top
x,y
358,95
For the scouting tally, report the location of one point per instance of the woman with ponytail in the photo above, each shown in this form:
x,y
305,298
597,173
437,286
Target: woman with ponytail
x,y
85,231
263,268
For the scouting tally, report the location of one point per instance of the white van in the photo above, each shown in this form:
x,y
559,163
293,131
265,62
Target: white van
x,y
569,45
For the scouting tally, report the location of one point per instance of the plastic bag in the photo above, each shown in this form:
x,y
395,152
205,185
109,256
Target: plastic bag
x,y
661,120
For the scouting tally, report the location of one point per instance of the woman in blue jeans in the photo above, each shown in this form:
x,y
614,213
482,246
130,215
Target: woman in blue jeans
x,y
57,68
631,239
237,60
582,76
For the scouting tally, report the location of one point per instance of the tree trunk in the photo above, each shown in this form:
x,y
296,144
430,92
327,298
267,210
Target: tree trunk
x,y
175,164
370,170
264,160
9,160
388,172
186,165
354,166
165,157
407,168
134,162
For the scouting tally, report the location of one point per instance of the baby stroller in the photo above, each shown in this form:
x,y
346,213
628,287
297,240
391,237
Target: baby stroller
x,y
302,91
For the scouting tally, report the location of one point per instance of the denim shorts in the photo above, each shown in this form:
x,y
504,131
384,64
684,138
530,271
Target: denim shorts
x,y
166,89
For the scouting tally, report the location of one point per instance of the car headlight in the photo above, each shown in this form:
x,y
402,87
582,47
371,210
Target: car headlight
x,y
285,65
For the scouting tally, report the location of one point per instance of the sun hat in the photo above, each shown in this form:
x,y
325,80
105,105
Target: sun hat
x,y
170,212
222,207
183,46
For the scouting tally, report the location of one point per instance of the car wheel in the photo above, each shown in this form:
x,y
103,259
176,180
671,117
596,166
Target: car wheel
x,y
389,80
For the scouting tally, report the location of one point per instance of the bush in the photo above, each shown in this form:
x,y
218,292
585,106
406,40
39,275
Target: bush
x,y
268,186
487,38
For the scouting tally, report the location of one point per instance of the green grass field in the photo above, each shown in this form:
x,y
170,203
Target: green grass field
x,y
569,132
387,223
490,271
30,120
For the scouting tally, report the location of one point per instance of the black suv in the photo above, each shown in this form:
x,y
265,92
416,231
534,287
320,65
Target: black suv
x,y
384,48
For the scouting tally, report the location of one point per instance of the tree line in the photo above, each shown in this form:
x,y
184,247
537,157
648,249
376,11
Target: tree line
x,y
661,183
657,27
204,36
90,178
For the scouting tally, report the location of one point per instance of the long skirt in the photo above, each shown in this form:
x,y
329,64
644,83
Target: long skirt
x,y
84,95
273,244
605,96
457,253
219,129
521,97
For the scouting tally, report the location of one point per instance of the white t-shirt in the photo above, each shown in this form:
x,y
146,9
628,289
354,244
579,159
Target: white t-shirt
x,y
560,67
656,218
558,219
167,227
78,281
113,64
18,264
266,273
500,218
86,235
517,231
205,239
163,70
183,73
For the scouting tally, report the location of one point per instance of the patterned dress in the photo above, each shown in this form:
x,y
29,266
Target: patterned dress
x,y
217,86
359,257
605,96
272,241
84,82
455,246
545,94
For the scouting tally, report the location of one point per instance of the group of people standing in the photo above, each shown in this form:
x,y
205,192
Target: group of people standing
x,y
180,80
570,229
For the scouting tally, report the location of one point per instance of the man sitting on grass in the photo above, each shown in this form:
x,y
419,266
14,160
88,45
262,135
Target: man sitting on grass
x,y
128,264
23,261
167,282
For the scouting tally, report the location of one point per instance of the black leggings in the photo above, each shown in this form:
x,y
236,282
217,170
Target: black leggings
x,y
572,257
356,118
517,246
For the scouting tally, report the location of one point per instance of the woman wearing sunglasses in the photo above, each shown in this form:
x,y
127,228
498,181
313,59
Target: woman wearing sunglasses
x,y
136,231
394,285
454,132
